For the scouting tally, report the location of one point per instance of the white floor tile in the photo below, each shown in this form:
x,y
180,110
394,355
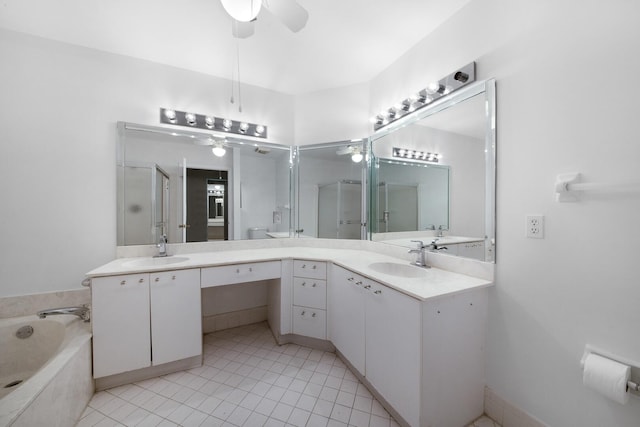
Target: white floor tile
x,y
247,380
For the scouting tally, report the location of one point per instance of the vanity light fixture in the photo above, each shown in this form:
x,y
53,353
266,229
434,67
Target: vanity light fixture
x,y
423,156
433,92
219,124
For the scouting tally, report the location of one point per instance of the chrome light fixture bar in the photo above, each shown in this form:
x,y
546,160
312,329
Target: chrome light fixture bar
x,y
420,99
201,121
409,154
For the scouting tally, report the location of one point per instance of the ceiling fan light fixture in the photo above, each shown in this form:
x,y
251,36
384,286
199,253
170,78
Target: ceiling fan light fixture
x,y
218,149
242,10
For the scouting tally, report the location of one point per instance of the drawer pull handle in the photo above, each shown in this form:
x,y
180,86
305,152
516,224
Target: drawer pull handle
x,y
302,314
359,283
367,286
314,267
141,281
250,268
378,292
157,279
123,282
238,270
313,286
351,279
304,265
173,277
313,315
304,283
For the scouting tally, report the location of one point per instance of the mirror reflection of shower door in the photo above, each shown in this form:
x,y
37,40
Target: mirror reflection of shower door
x,y
339,210
160,184
349,209
398,204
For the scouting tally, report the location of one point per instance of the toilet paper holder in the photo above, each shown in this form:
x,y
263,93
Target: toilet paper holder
x,y
633,385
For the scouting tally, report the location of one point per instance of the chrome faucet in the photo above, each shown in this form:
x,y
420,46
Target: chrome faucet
x,y
421,252
421,256
442,228
82,312
162,246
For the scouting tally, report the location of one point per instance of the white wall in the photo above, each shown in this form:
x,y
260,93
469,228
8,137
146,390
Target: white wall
x,y
332,115
59,107
567,101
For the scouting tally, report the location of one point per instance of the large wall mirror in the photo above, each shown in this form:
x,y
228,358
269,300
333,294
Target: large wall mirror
x,y
170,183
451,199
331,184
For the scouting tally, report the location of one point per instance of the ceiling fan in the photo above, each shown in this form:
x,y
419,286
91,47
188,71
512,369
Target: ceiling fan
x,y
245,12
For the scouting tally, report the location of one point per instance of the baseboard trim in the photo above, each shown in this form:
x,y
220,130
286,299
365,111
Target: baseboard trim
x,y
104,383
219,322
506,414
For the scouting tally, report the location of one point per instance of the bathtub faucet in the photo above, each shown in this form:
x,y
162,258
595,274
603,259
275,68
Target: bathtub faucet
x,y
81,312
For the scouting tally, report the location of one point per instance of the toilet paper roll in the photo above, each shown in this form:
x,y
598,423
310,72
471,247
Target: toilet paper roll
x,y
607,377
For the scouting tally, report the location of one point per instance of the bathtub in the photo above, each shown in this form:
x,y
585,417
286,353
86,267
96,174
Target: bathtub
x,y
45,374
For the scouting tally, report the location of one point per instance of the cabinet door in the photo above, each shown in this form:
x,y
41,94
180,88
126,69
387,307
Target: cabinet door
x,y
120,318
176,319
393,344
346,314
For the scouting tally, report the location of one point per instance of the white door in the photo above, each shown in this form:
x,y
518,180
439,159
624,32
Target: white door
x,y
176,320
346,315
120,318
393,345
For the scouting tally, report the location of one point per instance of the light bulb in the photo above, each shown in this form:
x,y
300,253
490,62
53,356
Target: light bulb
x,y
190,118
356,157
209,121
259,129
218,150
226,124
244,126
170,115
434,87
243,11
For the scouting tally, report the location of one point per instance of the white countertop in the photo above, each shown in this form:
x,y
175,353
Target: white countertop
x,y
435,283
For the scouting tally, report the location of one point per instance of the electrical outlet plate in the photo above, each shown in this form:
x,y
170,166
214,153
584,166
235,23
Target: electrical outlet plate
x,y
535,226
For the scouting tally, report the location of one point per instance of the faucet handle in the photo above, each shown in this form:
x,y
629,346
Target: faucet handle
x,y
420,243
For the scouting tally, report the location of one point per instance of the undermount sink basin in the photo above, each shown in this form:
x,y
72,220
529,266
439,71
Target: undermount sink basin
x,y
153,262
397,269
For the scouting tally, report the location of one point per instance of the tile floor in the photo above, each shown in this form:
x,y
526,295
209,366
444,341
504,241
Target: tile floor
x,y
246,380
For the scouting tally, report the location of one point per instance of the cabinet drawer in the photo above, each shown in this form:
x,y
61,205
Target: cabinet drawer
x,y
240,273
310,322
313,269
310,292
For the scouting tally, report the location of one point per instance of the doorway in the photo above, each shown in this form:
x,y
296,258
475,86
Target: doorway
x,y
207,205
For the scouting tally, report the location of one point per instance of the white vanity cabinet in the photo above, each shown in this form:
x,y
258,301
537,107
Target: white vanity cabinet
x,y
143,320
309,309
393,346
176,319
419,356
120,313
346,322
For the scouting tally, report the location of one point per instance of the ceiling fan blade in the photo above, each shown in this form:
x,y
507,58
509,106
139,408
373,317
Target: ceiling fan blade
x,y
242,30
289,12
344,150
